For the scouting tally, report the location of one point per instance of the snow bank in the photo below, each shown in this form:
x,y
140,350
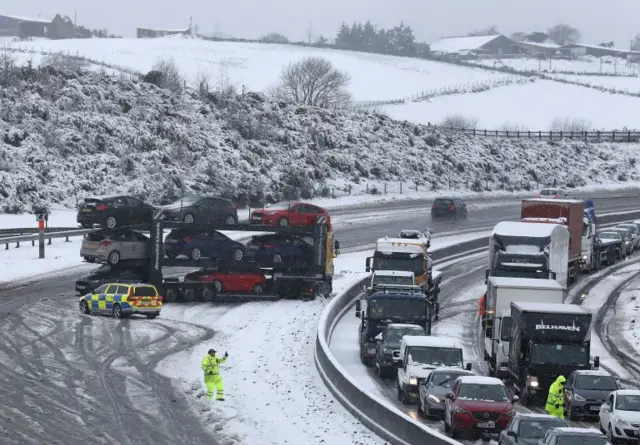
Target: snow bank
x,y
628,314
69,135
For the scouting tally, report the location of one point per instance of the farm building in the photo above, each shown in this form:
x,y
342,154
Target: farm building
x,y
474,46
14,26
540,49
580,49
61,28
147,33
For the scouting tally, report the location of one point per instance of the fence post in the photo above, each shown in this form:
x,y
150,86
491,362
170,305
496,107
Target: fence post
x,y
598,135
401,187
613,136
629,136
540,134
385,188
572,135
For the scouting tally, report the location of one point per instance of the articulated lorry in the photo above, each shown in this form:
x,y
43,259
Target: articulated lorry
x,y
501,292
547,340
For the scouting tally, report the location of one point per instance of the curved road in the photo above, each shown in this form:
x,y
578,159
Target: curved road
x,y
72,379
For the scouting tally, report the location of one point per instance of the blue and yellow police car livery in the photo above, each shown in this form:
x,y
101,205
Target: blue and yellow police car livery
x,y
122,300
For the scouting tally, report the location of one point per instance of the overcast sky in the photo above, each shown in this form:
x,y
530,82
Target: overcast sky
x,y
598,20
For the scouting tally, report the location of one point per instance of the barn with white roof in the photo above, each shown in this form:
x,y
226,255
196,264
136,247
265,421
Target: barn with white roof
x,y
476,45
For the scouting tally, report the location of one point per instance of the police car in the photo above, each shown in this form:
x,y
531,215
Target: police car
x,y
123,300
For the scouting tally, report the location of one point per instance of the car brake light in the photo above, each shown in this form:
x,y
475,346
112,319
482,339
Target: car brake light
x,y
159,298
539,195
234,206
187,240
452,207
556,196
105,243
433,206
101,207
269,246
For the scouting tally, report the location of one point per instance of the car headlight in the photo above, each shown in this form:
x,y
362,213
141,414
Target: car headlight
x,y
578,397
511,412
461,410
622,423
413,380
532,381
434,399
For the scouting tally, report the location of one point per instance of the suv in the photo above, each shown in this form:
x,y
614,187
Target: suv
x,y
478,405
448,208
388,346
585,391
114,211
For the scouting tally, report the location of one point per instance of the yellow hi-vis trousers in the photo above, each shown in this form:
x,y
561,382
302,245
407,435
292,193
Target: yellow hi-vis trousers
x,y
214,384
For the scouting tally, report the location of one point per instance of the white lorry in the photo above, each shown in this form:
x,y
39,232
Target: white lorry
x,y
501,292
419,355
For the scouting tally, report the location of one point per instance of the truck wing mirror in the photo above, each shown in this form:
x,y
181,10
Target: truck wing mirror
x,y
358,308
515,399
449,396
596,362
379,336
367,269
469,366
357,314
486,274
367,263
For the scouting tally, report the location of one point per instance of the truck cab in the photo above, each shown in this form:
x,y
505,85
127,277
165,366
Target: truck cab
x,y
388,346
381,308
419,356
547,340
382,278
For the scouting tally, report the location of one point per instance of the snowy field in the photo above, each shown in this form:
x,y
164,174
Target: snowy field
x,y
584,65
257,66
630,84
538,104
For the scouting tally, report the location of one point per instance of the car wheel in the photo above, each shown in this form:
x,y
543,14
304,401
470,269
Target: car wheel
x,y
230,220
600,426
403,397
283,222
612,440
84,307
238,254
90,259
117,311
170,296
111,222
277,258
196,254
152,316
572,415
217,284
257,289
188,219
420,410
114,257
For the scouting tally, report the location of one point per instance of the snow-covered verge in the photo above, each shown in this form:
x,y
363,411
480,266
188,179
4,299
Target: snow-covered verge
x,y
587,65
57,127
628,314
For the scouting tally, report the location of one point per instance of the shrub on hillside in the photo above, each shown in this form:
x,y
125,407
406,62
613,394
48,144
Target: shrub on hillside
x,y
459,121
165,74
568,125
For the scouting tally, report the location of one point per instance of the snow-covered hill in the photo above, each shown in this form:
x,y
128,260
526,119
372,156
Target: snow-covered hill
x,y
66,135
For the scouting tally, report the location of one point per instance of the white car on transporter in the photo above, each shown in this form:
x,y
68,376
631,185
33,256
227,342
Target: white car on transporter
x,y
619,416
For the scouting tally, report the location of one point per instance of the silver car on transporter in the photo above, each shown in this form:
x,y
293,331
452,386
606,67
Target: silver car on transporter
x,y
113,246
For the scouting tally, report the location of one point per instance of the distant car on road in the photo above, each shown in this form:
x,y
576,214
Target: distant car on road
x,y
289,213
113,246
634,230
553,193
202,210
196,244
613,235
453,208
529,428
114,211
627,235
108,273
585,391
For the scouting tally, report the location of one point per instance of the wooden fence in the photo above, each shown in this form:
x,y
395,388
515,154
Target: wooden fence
x,y
591,136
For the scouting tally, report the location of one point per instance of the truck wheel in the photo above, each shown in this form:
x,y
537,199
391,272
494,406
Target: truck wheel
x,y
403,397
189,295
207,295
170,296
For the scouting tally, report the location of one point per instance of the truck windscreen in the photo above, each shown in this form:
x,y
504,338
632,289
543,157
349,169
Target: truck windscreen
x,y
505,329
411,262
559,354
404,281
405,310
420,355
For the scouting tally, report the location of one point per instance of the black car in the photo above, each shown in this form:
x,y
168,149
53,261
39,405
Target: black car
x,y
574,436
122,273
528,428
202,210
114,211
276,249
452,208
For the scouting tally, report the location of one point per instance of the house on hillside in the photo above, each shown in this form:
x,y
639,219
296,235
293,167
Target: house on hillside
x,y
487,46
23,27
61,28
574,50
147,33
543,49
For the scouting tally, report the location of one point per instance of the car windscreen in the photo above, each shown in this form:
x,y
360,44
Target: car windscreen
x,y
596,382
102,270
582,439
381,279
397,309
609,235
505,329
95,236
559,354
145,291
443,202
536,429
632,229
476,391
431,356
394,336
185,202
628,402
412,262
548,192
446,378
279,206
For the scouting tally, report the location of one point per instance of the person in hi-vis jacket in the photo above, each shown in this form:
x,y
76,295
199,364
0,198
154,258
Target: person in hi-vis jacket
x,y
555,399
212,379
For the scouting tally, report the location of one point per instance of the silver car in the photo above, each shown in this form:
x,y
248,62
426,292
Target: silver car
x,y
635,232
585,391
627,236
114,246
433,389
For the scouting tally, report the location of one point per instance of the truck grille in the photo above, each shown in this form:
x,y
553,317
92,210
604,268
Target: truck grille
x,y
485,416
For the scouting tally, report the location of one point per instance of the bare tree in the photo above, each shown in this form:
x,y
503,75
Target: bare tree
x,y
490,31
170,77
313,81
636,43
518,36
224,88
459,121
203,83
7,68
568,125
564,34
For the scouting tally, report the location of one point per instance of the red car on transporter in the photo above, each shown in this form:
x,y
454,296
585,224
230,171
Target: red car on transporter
x,y
249,282
478,405
289,213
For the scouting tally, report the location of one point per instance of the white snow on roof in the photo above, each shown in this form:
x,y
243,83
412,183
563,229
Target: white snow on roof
x,y
551,308
536,416
454,369
26,19
393,273
404,326
541,45
531,230
528,283
565,201
429,341
404,245
592,372
576,430
457,44
480,380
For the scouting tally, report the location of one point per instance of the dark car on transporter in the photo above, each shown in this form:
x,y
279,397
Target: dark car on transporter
x,y
289,214
278,249
107,273
202,210
448,208
196,244
529,428
114,211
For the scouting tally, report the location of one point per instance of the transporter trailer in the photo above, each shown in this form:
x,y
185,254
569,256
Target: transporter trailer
x,y
288,279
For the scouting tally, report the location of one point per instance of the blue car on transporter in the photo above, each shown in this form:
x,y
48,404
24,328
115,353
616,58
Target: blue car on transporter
x,y
196,244
277,249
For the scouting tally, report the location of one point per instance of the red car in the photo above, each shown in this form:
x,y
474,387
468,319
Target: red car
x,y
478,405
289,213
255,282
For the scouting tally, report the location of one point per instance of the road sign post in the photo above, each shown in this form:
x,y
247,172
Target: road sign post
x,y
41,218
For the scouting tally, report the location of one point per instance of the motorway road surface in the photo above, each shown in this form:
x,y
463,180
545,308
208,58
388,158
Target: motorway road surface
x,y
72,379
